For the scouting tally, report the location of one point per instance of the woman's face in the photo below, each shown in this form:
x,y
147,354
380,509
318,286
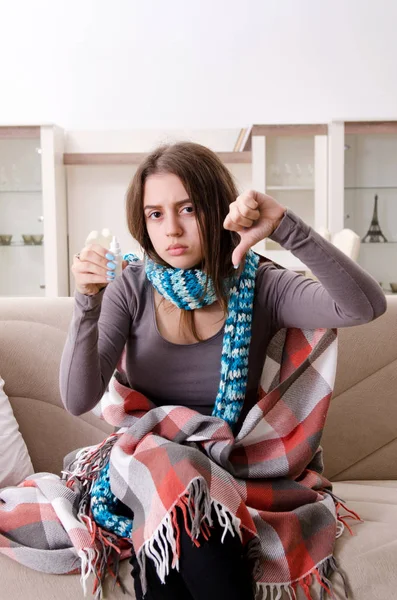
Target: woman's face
x,y
171,221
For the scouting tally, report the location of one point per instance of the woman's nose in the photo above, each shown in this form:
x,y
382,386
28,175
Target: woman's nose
x,y
173,226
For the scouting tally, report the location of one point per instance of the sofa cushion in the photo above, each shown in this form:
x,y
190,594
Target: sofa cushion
x,y
31,371
360,434
17,582
15,463
369,557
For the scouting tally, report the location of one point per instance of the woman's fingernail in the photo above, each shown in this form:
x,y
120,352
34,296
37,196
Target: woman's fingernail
x,y
111,265
110,273
109,256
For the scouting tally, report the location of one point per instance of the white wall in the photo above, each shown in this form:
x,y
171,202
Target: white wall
x,y
96,64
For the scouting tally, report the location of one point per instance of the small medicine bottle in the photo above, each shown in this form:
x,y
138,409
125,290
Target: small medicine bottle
x,y
118,257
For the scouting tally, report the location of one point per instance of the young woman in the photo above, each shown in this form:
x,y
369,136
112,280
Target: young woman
x,y
184,210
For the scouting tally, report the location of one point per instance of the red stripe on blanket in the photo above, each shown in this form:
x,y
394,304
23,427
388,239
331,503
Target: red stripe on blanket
x,y
296,350
26,514
136,401
28,483
80,538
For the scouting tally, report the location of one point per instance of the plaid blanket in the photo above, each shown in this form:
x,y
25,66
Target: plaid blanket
x,y
265,484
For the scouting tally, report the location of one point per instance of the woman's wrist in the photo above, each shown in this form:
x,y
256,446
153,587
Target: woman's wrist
x,y
278,221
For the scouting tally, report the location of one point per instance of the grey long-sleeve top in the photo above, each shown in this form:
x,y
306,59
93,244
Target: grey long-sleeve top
x,y
123,315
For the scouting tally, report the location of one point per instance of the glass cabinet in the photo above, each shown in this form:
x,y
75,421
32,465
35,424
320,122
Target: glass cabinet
x,y
289,162
21,215
364,198
33,236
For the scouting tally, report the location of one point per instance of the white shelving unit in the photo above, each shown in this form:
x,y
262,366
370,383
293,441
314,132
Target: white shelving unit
x,y
290,163
327,174
364,165
33,201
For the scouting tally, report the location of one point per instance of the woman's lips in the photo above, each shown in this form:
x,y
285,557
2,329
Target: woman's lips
x,y
177,251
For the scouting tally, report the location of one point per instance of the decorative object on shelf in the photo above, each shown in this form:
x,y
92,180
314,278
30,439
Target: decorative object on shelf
x,y
37,239
32,239
393,287
5,240
374,234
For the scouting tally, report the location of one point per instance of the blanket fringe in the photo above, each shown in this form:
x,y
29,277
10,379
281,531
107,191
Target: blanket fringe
x,y
106,548
196,505
321,573
89,461
341,519
88,557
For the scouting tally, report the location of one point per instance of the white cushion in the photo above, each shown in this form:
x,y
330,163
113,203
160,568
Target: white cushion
x,y
15,463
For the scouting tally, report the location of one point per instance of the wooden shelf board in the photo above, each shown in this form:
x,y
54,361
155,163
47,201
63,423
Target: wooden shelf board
x,y
22,132
135,158
370,127
295,130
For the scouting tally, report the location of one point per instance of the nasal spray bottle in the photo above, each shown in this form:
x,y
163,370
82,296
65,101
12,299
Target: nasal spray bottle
x,y
110,242
118,257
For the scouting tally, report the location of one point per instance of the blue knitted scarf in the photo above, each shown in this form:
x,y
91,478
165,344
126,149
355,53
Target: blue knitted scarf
x,y
186,290
191,289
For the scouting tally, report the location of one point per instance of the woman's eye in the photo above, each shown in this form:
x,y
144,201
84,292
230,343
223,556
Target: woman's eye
x,y
153,214
190,209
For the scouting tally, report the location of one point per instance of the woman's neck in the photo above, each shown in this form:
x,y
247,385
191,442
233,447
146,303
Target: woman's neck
x,y
208,321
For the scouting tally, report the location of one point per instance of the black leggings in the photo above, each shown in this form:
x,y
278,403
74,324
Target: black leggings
x,y
211,571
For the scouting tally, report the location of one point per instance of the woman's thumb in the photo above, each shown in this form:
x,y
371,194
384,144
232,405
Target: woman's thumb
x,y
239,254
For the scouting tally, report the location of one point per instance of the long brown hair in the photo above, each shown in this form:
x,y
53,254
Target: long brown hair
x,y
211,189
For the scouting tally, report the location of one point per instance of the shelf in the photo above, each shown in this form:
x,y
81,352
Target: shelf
x,y
377,243
370,127
135,158
20,191
289,188
20,132
373,187
17,244
290,130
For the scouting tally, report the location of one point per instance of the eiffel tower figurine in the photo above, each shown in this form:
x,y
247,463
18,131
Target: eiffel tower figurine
x,y
374,233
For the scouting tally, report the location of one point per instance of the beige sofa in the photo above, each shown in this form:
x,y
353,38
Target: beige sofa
x,y
359,441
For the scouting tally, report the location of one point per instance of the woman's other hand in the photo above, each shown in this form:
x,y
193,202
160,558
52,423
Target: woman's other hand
x,y
254,216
